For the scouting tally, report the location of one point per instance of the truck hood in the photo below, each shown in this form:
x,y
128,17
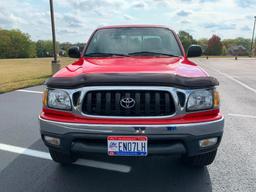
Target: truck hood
x,y
170,65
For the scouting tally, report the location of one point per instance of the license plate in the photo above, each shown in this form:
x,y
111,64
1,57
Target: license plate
x,y
127,145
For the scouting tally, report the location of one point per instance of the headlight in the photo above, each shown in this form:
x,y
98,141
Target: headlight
x,y
200,100
58,99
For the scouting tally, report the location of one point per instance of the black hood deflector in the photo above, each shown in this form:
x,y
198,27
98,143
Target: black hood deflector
x,y
131,79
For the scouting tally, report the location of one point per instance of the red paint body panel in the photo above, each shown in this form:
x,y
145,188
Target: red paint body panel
x,y
143,64
198,117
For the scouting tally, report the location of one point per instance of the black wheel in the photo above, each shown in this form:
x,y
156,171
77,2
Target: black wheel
x,y
62,158
200,160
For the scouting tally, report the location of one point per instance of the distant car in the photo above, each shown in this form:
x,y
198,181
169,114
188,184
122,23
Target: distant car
x,y
133,92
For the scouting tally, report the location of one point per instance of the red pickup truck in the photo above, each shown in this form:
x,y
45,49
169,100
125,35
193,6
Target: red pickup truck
x,y
132,92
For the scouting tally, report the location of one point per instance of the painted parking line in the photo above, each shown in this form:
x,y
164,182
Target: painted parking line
x,y
235,80
24,151
241,115
81,162
29,91
230,77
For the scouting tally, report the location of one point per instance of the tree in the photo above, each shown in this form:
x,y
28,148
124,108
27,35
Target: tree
x,y
64,48
15,44
203,43
246,43
44,48
186,39
214,46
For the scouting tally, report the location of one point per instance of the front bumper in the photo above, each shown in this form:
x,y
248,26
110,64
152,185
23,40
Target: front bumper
x,y
162,139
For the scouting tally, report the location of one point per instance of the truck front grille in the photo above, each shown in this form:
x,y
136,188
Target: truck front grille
x,y
128,103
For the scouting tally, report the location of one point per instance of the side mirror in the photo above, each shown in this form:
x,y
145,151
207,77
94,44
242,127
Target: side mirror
x,y
194,51
74,52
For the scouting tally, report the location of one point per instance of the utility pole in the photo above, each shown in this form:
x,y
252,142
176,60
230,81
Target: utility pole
x,y
55,62
253,36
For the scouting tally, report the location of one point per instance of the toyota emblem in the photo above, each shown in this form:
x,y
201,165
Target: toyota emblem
x,y
127,102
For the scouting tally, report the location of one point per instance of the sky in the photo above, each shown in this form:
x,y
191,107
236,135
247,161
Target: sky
x,y
77,19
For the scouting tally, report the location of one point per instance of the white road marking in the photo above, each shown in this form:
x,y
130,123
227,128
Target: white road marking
x,y
235,80
24,151
81,162
29,91
241,115
231,78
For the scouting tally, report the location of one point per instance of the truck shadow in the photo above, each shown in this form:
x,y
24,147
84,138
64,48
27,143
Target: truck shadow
x,y
151,174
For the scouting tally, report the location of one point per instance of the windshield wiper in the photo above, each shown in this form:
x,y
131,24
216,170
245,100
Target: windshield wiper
x,y
151,53
99,54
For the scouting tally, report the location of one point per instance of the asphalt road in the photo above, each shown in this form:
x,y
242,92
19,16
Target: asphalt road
x,y
25,163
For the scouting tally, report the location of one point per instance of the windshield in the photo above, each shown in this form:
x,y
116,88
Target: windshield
x,y
133,41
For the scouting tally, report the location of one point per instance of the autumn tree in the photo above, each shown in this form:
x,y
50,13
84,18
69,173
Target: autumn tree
x,y
214,46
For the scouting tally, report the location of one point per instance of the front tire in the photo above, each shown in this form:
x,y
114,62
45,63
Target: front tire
x,y
63,159
200,160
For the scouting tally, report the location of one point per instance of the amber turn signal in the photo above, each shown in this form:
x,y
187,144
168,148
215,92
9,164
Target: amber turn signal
x,y
45,97
216,98
208,142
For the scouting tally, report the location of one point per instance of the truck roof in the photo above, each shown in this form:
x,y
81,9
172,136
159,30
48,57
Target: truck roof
x,y
132,26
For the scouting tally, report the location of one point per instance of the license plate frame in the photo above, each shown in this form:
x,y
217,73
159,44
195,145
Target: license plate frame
x,y
131,145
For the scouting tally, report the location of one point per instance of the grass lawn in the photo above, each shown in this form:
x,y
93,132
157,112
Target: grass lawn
x,y
20,73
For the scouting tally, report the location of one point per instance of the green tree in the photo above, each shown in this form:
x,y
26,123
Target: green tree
x,y
15,44
44,48
214,46
186,39
224,50
246,43
203,43
64,47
